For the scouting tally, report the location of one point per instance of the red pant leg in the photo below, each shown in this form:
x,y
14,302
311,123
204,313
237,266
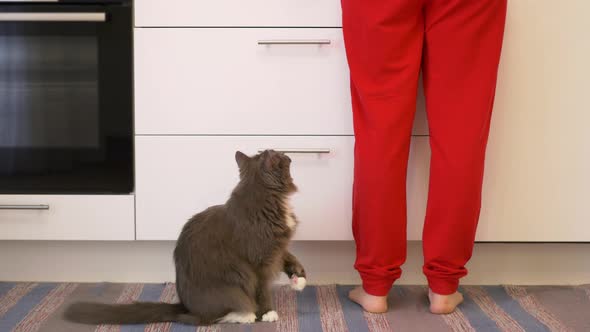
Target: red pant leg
x,y
384,41
463,40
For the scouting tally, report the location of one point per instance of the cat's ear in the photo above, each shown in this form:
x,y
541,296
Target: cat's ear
x,y
241,159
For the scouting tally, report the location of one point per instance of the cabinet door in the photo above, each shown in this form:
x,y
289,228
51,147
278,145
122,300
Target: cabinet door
x,y
537,181
179,176
238,13
67,217
224,81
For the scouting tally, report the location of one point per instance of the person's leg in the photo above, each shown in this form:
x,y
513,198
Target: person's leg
x,y
384,48
463,41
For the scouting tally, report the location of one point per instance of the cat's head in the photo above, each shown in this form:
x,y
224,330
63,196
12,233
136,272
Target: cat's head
x,y
270,168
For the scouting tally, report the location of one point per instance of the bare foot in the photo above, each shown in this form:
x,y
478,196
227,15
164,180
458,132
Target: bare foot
x,y
444,304
371,303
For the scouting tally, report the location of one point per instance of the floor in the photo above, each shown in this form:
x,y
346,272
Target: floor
x,y
38,306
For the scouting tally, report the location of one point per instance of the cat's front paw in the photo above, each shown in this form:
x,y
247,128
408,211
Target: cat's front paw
x,y
270,316
298,283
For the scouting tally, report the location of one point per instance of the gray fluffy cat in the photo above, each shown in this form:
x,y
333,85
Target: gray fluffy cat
x,y
226,256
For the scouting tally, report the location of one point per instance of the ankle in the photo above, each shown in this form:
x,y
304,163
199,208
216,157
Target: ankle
x,y
444,304
370,303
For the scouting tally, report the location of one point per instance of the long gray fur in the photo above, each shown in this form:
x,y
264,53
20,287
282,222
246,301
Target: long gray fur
x,y
226,257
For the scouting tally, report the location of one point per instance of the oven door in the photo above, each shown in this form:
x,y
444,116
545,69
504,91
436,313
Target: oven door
x,y
65,99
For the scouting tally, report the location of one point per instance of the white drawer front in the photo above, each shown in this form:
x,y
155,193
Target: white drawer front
x,y
221,81
179,176
71,217
238,13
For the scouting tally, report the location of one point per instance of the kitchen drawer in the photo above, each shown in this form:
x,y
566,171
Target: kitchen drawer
x,y
178,176
68,217
221,81
238,13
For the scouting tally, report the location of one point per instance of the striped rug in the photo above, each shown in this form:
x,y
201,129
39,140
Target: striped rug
x,y
38,307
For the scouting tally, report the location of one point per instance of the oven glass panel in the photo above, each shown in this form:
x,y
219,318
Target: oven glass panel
x,y
66,105
49,92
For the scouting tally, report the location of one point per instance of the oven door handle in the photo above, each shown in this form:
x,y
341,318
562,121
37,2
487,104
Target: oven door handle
x,y
53,17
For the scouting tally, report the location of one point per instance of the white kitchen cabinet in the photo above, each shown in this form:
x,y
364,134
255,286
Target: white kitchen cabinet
x,y
536,188
537,181
238,13
67,217
179,176
221,81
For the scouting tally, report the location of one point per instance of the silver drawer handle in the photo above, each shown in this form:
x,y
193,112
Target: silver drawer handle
x,y
293,151
24,207
295,42
53,17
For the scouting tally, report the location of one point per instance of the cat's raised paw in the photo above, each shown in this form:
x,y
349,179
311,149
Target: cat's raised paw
x,y
270,316
239,317
298,283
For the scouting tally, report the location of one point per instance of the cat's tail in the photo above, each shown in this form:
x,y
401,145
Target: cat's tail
x,y
134,313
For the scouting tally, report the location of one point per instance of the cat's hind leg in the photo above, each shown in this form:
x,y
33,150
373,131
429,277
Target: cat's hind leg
x,y
238,317
229,304
240,306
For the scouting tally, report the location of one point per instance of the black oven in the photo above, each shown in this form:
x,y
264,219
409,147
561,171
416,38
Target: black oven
x,y
66,113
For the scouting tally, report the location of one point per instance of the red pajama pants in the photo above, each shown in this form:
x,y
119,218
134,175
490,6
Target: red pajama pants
x,y
457,45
